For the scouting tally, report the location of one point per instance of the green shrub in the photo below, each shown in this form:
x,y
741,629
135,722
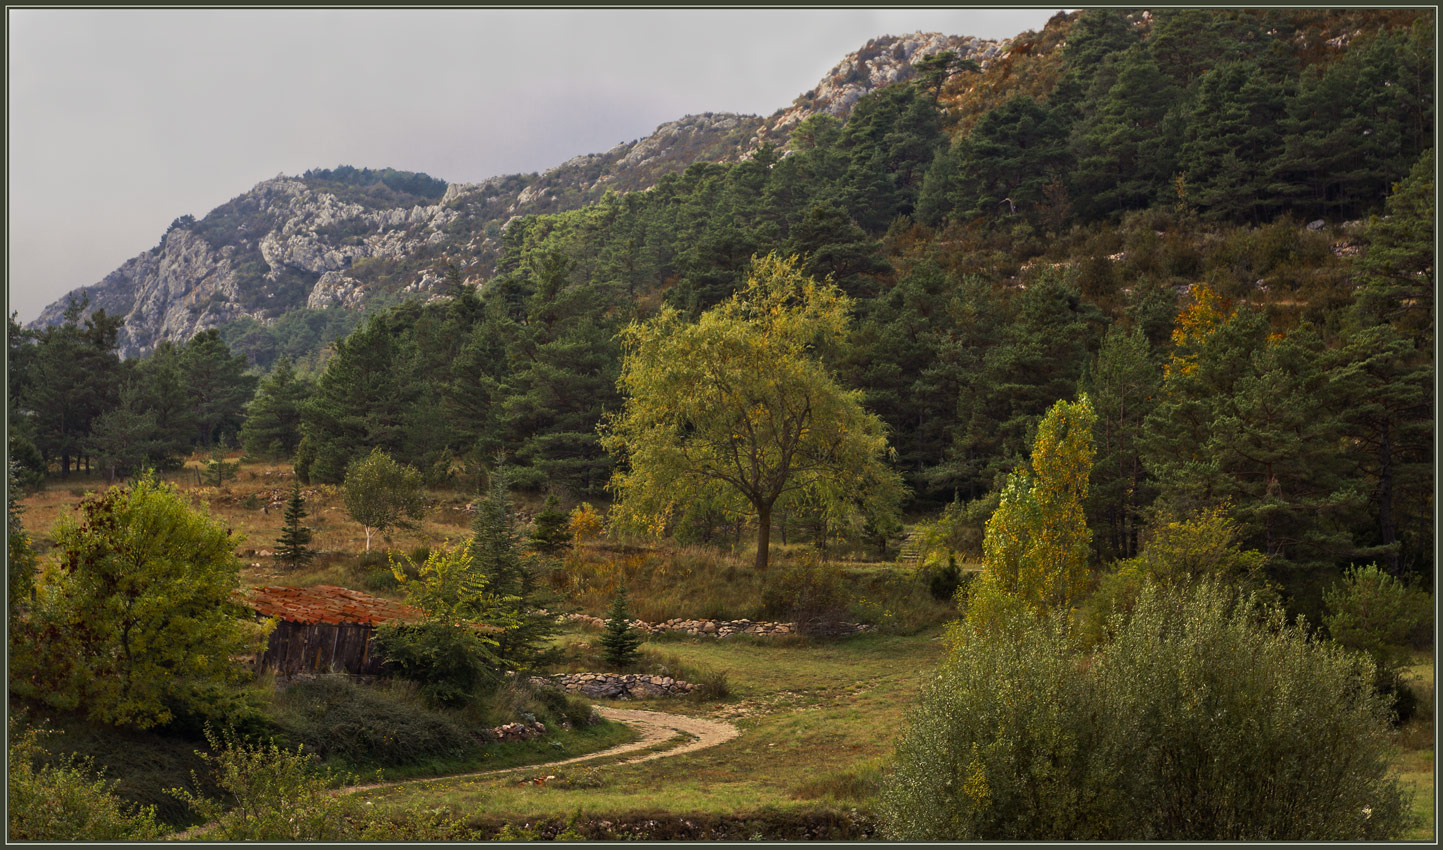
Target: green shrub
x,y
1206,718
270,794
1373,612
811,593
65,802
942,581
380,725
275,794
135,622
1175,553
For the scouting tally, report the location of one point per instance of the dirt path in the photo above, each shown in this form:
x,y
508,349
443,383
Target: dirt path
x,y
656,727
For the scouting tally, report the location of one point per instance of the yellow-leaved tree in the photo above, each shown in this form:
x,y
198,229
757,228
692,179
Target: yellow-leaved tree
x,y
738,409
1035,546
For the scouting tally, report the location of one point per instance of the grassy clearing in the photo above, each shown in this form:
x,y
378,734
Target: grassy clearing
x,y
1414,761
806,711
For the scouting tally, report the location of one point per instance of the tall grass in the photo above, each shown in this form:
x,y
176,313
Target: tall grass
x,y
690,582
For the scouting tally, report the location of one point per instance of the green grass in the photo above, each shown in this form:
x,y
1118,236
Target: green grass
x,y
500,756
1414,761
806,710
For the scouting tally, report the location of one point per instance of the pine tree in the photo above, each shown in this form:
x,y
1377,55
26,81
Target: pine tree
x,y
218,469
292,549
619,641
273,419
550,534
496,555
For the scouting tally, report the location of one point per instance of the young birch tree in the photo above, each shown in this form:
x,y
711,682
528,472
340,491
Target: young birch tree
x,y
739,406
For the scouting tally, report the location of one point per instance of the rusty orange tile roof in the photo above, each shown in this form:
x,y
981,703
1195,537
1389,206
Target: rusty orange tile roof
x,y
325,603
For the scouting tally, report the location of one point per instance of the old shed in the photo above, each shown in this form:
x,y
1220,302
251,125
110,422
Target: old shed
x,y
324,628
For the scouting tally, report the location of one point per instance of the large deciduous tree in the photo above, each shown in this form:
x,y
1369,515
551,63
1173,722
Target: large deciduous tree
x,y
740,405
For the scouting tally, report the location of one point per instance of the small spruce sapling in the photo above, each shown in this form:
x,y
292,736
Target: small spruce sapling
x,y
551,534
218,469
292,549
619,641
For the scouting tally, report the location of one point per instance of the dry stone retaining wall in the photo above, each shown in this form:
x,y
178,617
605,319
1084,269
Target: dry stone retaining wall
x,y
723,628
616,685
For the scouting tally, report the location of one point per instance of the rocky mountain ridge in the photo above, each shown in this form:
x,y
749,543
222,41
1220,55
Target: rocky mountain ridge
x,y
304,242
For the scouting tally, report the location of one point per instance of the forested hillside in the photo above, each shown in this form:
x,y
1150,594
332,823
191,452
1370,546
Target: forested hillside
x,y
1005,441
1217,224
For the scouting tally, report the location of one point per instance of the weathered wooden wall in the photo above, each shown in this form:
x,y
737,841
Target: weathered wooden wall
x,y
322,648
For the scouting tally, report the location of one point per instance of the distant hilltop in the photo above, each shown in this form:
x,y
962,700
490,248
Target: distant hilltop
x,y
340,237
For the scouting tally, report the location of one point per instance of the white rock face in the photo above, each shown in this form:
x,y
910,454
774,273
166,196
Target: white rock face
x,y
882,61
335,290
289,235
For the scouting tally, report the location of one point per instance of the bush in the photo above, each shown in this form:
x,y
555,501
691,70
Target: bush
x,y
1373,612
942,581
378,725
65,802
134,621
584,523
810,593
1206,718
452,654
1175,553
274,794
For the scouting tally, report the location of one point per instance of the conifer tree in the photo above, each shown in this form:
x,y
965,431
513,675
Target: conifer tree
x,y
496,556
619,641
218,469
292,544
550,534
273,419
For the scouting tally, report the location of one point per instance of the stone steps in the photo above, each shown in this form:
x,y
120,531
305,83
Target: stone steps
x,y
910,552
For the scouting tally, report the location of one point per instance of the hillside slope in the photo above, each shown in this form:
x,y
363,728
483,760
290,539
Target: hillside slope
x,y
352,238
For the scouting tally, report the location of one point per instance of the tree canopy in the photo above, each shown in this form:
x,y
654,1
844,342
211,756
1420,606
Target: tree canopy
x,y
133,619
741,405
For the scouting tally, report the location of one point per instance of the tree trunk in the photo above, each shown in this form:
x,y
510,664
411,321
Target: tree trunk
x,y
1386,528
368,538
764,535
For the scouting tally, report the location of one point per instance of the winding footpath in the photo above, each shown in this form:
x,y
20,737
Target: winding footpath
x,y
656,728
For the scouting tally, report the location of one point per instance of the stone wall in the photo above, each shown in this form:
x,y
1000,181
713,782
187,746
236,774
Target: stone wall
x,y
723,628
616,685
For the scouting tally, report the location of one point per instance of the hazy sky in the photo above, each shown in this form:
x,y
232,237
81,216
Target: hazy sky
x,y
122,120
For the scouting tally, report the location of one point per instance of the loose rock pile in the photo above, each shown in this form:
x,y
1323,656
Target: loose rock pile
x,y
518,731
723,628
616,685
